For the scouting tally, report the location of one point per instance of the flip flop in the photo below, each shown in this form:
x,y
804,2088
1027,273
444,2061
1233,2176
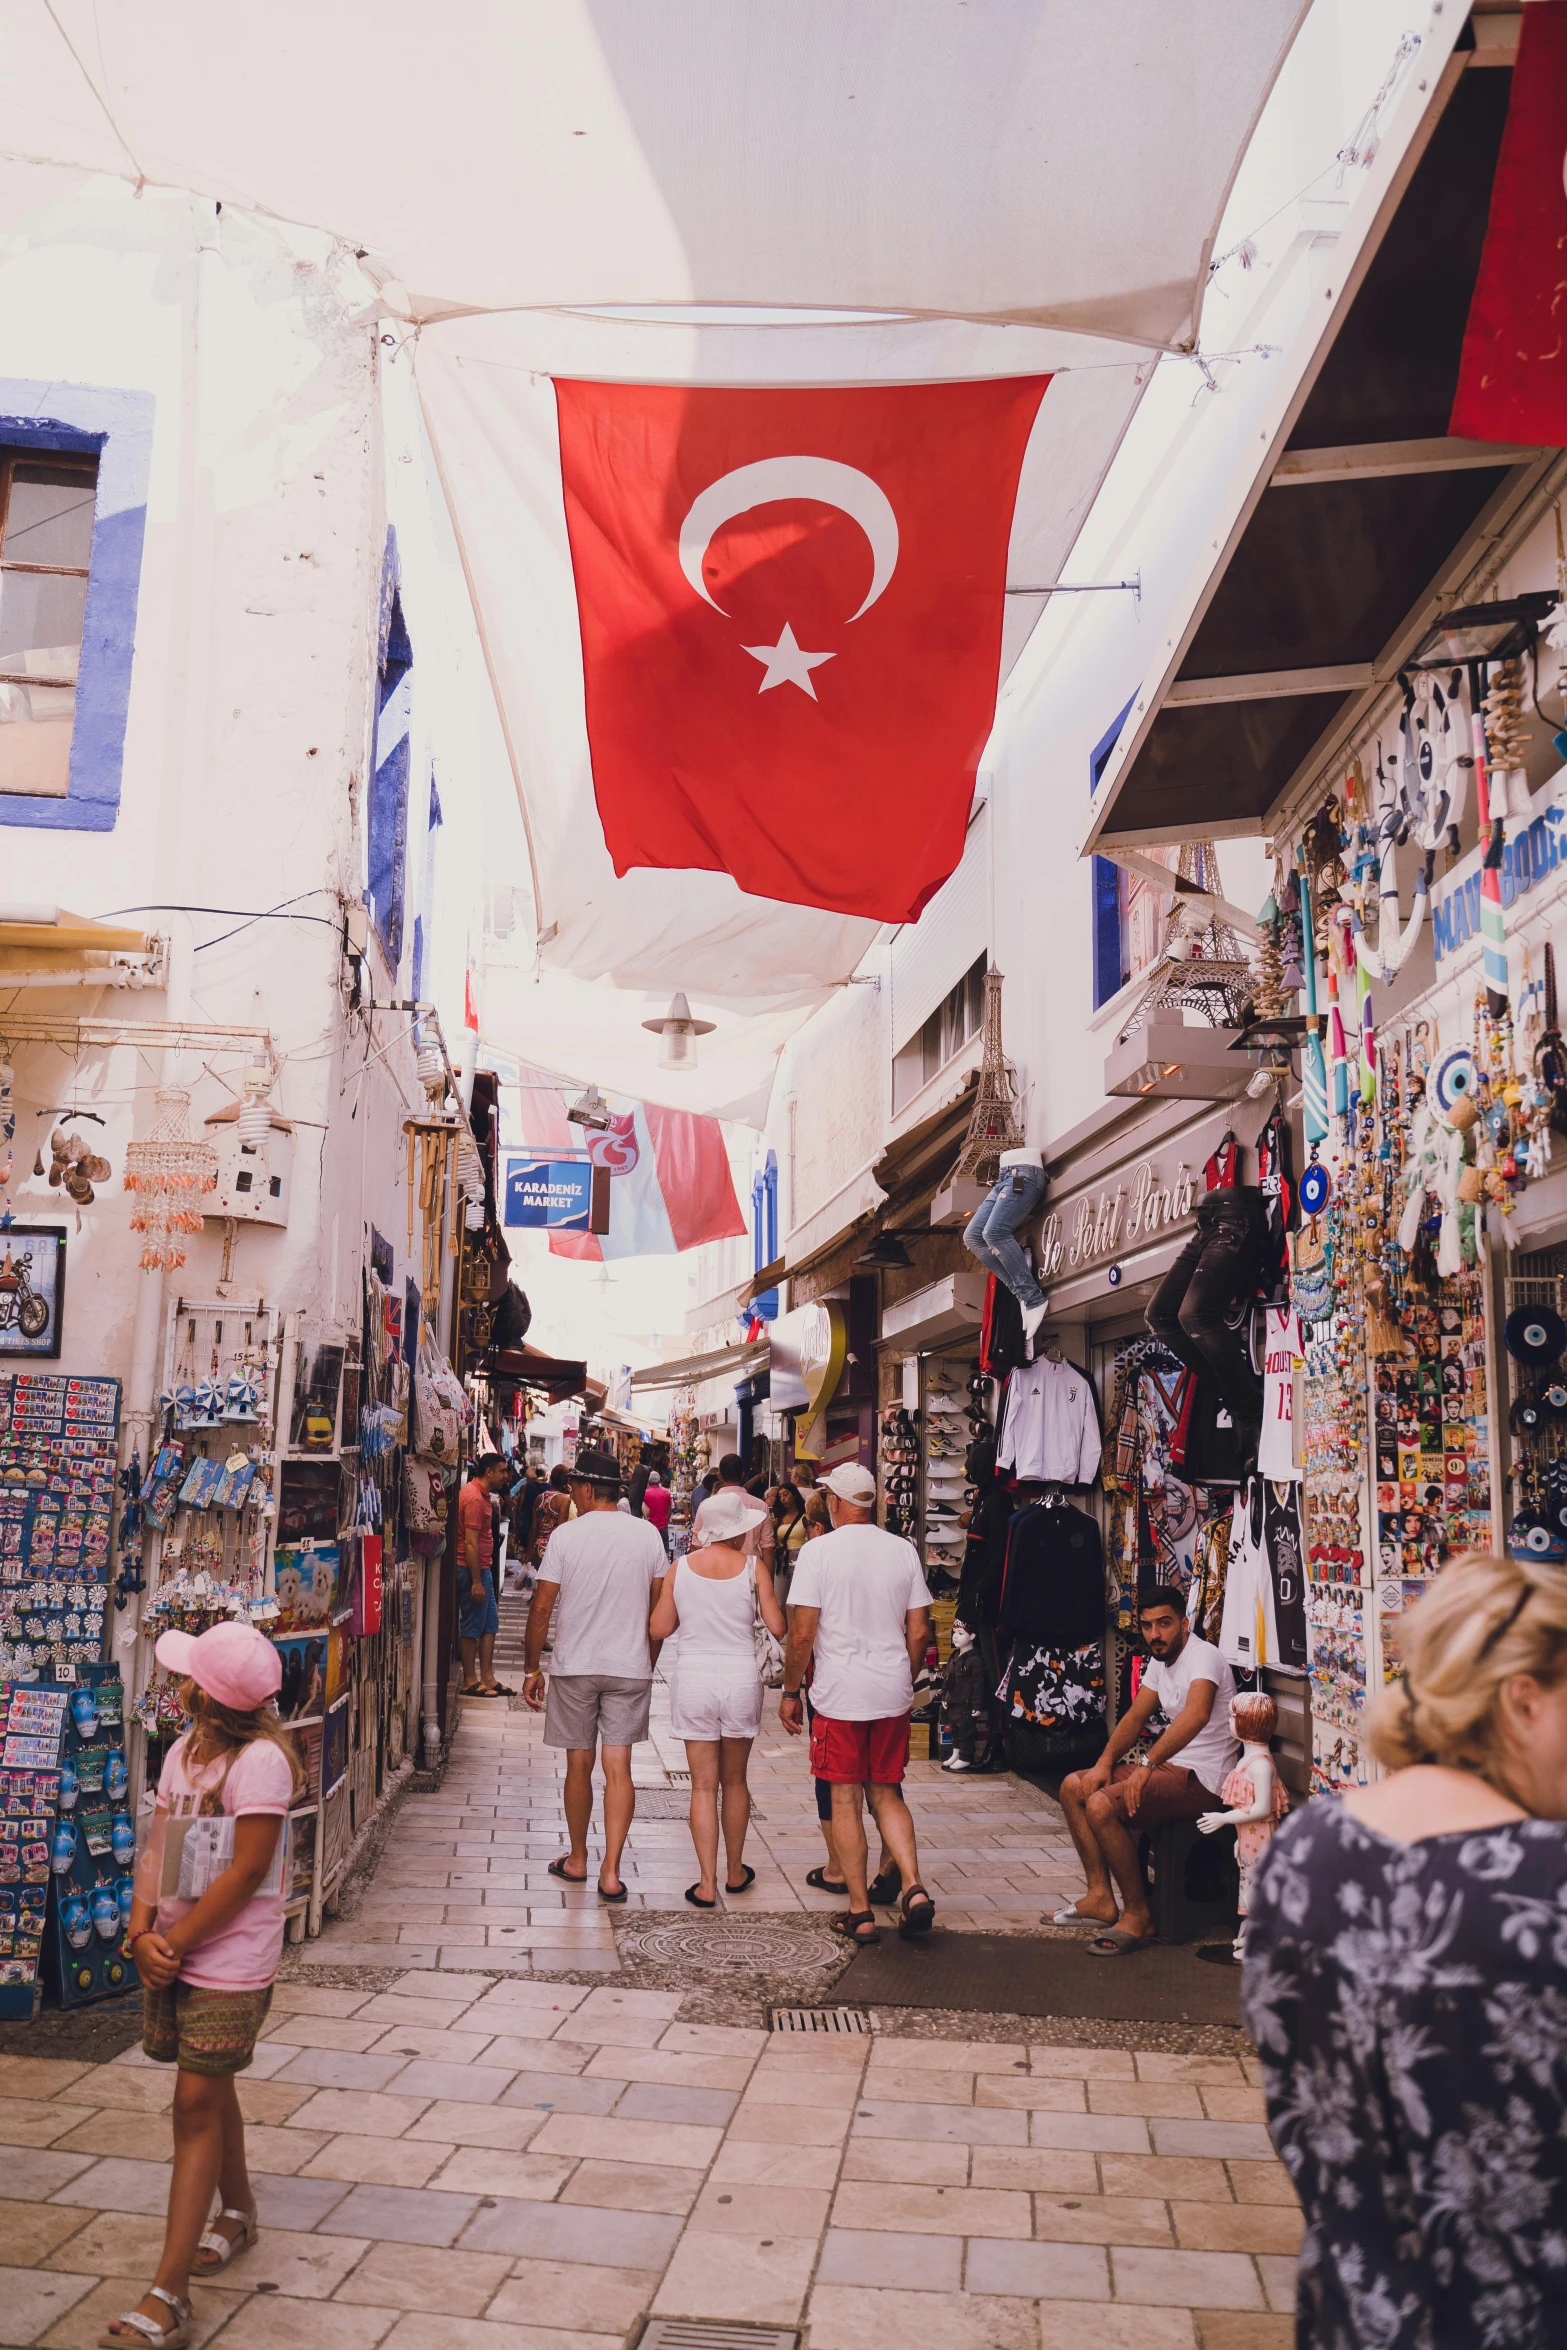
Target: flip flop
x,y
620,1896
559,1869
820,1882
695,1899
746,1882
1071,1915
472,1689
500,1690
1116,1942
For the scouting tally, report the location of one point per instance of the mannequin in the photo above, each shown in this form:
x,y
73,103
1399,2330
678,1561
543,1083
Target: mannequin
x,y
991,1231
1255,1792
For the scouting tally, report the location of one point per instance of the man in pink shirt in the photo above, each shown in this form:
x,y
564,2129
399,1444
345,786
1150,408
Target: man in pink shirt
x,y
655,1504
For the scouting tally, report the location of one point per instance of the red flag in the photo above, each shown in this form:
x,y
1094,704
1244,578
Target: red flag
x,y
791,607
670,1187
1512,379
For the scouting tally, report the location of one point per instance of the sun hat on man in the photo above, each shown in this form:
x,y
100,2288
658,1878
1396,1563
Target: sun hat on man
x,y
232,1662
729,1513
853,1483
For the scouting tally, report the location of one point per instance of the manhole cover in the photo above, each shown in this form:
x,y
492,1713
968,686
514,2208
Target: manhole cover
x,y
726,1945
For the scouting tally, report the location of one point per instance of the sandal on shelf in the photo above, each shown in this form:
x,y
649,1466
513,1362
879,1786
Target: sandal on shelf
x,y
918,1920
172,2337
850,1926
215,2250
884,1889
820,1882
696,1900
746,1882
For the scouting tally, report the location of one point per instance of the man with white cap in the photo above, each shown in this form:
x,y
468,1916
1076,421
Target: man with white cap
x,y
859,1606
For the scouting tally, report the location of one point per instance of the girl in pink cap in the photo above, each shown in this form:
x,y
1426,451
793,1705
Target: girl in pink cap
x,y
206,1932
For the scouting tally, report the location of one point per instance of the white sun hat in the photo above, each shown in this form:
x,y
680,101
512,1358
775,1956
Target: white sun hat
x,y
730,1513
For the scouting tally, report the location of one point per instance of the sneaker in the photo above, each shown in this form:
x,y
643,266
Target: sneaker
x,y
955,1762
1032,1317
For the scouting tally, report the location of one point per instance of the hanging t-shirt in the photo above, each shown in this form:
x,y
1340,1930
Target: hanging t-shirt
x,y
1283,1357
1248,1631
1222,1172
1285,1543
1278,1198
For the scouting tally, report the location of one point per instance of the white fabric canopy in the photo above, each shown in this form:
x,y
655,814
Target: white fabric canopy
x,y
1037,160
1009,186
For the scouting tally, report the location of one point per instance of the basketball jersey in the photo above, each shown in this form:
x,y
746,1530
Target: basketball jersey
x,y
1283,1351
1284,1543
1222,1172
1248,1630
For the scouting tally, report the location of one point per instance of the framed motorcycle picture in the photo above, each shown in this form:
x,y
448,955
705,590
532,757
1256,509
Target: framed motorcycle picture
x,y
32,1290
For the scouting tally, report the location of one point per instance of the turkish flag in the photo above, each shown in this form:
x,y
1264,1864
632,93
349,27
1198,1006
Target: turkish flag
x,y
791,607
1512,379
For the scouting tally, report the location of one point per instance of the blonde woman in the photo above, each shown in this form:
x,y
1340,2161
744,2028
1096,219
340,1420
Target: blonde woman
x,y
1404,1982
712,1598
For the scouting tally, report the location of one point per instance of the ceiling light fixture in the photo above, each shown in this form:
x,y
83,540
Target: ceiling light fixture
x,y
679,1032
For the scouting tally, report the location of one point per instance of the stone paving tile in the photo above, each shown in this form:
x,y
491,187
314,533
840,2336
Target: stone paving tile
x,y
754,2280
30,2232
553,2231
562,2092
274,2322
852,2257
1046,2272
946,2211
421,2276
974,2125
30,2121
82,2325
400,2215
1209,2280
374,2162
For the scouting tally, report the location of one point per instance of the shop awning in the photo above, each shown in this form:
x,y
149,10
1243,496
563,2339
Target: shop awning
x,y
1365,516
46,938
686,1370
558,1377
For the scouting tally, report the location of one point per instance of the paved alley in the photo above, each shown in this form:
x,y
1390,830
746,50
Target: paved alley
x,y
455,2152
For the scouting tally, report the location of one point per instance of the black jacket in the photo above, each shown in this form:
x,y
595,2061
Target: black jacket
x,y
1053,1582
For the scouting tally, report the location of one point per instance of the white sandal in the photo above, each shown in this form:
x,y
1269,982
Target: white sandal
x,y
226,2248
172,2337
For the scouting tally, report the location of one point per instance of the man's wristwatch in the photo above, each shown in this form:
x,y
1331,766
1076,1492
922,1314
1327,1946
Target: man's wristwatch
x,y
789,1692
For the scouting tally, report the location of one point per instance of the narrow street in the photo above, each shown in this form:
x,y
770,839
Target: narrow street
x,y
474,2127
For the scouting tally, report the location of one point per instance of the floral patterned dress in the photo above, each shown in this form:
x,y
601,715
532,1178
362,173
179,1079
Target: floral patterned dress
x,y
1410,2005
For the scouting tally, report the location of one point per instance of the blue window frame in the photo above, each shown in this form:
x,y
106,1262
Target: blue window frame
x,y
1109,896
115,427
387,824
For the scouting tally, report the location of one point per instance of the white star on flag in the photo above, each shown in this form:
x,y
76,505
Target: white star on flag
x,y
786,663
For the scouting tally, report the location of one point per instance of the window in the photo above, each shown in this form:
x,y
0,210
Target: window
x,y
46,534
1129,913
957,1018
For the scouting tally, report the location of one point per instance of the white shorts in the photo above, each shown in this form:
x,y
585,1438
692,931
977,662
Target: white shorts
x,y
715,1705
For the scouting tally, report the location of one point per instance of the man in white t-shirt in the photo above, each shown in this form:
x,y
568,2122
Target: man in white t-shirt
x,y
859,1606
1109,1807
597,1582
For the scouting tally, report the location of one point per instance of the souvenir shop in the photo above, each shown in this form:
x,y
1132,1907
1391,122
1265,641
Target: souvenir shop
x,y
292,1472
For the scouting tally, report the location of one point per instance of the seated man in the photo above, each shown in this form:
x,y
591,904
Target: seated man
x,y
1109,1807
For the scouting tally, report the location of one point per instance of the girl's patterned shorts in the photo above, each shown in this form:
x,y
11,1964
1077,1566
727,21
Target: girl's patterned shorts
x,y
202,2031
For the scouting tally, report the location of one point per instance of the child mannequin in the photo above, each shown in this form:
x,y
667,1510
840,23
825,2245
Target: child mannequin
x,y
1255,1792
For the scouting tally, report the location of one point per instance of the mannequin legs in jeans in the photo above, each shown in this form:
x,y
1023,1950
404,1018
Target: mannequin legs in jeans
x,y
1010,1201
1212,1275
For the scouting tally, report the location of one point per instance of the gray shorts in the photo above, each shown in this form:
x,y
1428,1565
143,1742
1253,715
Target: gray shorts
x,y
583,1709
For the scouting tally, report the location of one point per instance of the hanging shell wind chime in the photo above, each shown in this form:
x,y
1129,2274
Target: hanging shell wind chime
x,y
168,1170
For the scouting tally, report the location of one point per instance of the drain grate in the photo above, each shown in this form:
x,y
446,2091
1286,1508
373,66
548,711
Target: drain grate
x,y
708,2333
671,1803
821,2019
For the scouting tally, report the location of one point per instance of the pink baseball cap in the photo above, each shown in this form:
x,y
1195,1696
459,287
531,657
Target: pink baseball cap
x,y
234,1663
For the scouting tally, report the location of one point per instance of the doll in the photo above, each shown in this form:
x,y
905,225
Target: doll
x,y
1255,1792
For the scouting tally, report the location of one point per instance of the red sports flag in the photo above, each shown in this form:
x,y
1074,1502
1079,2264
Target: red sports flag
x,y
670,1187
791,607
1512,379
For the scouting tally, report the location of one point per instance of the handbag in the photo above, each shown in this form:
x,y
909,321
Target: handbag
x,y
769,1652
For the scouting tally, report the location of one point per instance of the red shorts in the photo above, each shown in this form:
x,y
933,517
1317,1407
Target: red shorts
x,y
850,1754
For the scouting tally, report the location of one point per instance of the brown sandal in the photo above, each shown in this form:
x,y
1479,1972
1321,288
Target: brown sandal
x,y
850,1924
915,1921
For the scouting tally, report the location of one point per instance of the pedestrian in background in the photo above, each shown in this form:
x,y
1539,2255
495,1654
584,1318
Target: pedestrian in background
x,y
595,1585
478,1618
861,1614
711,1598
789,1532
1403,1984
655,1506
552,1509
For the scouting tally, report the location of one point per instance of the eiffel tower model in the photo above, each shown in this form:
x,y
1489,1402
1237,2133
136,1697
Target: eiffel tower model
x,y
994,1125
1202,966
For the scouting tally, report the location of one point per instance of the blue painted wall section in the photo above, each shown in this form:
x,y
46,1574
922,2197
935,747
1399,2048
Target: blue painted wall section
x,y
1107,881
116,427
387,877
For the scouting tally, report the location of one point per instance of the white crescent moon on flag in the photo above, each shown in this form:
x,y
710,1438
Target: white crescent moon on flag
x,y
821,478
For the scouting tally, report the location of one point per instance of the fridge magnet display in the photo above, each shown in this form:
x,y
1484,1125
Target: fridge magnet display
x,y
32,1290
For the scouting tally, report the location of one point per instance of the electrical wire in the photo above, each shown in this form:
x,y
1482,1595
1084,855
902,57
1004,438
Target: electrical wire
x,y
242,915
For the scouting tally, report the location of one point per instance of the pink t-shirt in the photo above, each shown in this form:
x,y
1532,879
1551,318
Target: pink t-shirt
x,y
243,1955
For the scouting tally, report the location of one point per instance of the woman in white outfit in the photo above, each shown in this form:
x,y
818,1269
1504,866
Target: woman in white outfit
x,y
711,1598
